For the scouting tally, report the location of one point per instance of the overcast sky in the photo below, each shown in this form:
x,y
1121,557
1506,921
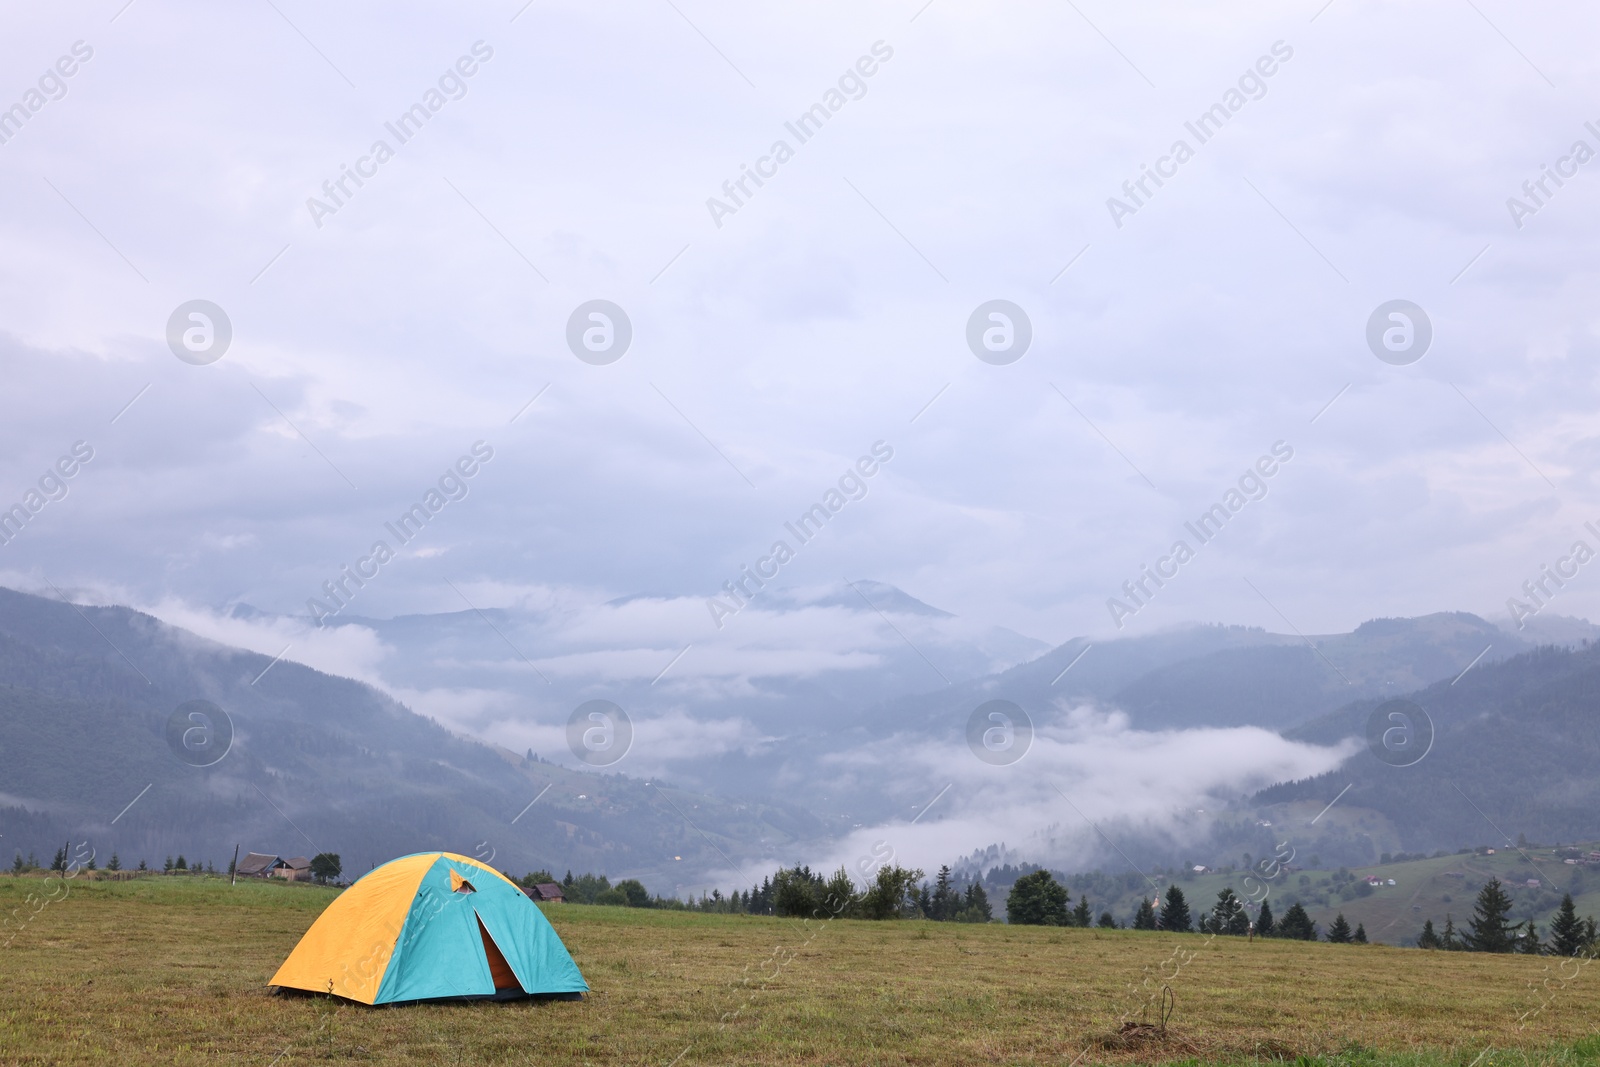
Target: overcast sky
x,y
1176,339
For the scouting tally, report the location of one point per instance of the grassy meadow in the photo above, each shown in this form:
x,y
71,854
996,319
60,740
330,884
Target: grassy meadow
x,y
172,971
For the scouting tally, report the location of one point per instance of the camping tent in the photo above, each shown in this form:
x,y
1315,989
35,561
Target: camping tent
x,y
427,927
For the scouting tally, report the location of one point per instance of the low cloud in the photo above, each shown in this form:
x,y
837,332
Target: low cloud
x,y
1085,766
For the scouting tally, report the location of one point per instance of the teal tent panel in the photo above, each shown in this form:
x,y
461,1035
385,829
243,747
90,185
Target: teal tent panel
x,y
532,948
523,935
440,951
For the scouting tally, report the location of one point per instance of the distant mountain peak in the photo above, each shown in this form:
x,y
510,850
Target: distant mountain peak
x,y
863,594
1384,626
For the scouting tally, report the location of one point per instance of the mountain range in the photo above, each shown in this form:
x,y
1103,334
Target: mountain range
x,y
89,696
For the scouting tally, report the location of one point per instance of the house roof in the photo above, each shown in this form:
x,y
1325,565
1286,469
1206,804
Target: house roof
x,y
256,862
299,863
547,891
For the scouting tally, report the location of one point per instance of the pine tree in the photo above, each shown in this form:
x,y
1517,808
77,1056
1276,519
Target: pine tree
x,y
143,866
1037,899
180,865
1264,924
1228,915
113,864
59,861
764,897
1239,925
1107,922
977,908
1428,938
1448,940
1339,932
945,902
19,864
1566,930
1528,942
1297,925
1080,914
1487,930
1360,936
167,866
1145,917
1175,915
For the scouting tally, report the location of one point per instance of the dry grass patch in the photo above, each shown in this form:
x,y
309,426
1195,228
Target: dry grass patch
x,y
172,971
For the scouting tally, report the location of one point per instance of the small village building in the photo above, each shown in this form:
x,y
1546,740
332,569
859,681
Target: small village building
x,y
260,865
295,869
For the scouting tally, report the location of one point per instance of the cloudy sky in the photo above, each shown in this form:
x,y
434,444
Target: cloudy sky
x,y
378,332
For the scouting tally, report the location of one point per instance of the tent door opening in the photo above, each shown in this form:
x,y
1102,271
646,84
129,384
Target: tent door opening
x,y
504,978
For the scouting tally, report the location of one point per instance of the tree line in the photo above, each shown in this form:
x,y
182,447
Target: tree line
x,y
1489,929
1037,899
894,893
325,866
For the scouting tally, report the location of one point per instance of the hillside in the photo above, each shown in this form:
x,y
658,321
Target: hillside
x,y
795,716
1234,675
1434,888
789,711
1514,752
321,763
317,763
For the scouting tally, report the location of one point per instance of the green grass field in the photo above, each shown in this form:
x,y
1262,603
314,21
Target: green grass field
x,y
173,971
